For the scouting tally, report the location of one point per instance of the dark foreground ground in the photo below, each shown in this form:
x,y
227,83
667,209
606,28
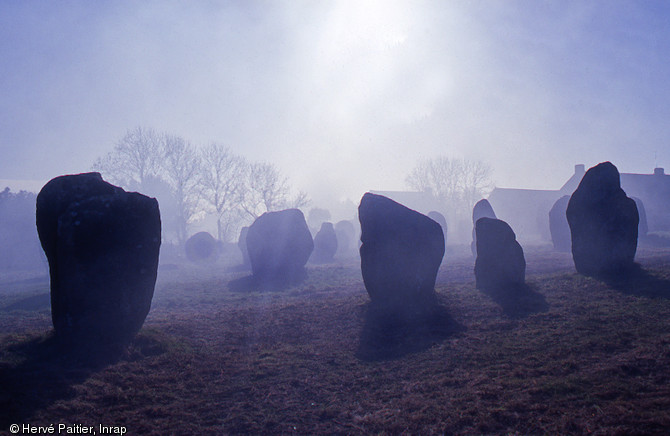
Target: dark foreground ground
x,y
572,355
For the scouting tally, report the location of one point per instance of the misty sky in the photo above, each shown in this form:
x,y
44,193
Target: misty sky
x,y
343,97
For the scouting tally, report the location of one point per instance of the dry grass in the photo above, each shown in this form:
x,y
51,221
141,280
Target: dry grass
x,y
572,355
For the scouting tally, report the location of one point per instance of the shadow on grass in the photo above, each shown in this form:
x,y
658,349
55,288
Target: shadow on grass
x,y
518,301
252,284
37,372
390,335
639,282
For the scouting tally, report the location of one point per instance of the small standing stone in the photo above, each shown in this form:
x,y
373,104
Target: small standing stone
x,y
279,245
482,209
242,245
346,238
325,244
201,247
500,262
439,218
558,225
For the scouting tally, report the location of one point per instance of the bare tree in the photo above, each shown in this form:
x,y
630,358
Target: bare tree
x,y
476,182
181,167
226,184
457,182
222,181
266,190
135,158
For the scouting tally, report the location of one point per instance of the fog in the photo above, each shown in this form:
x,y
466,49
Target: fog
x,y
313,320
344,97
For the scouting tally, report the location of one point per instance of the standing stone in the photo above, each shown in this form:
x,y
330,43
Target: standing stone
x,y
558,225
242,245
325,244
482,209
102,244
500,262
439,218
401,253
279,245
603,223
345,232
201,247
643,226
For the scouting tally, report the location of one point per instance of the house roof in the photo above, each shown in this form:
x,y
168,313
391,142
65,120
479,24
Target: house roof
x,y
629,181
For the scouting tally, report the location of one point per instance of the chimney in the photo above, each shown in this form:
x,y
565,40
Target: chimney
x,y
659,172
579,170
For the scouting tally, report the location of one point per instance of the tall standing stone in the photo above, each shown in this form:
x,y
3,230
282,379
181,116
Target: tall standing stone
x,y
500,262
558,225
603,223
401,253
102,244
279,245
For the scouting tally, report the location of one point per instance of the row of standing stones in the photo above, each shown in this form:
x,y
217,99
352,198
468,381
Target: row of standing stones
x,y
102,244
401,251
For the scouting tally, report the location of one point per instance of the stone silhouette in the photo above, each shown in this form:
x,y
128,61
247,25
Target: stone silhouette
x,y
325,244
401,253
102,244
500,262
242,245
201,247
482,209
346,238
558,225
279,245
643,226
603,223
439,218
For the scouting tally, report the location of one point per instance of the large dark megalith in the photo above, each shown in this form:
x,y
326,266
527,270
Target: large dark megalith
x,y
558,225
482,209
500,263
279,246
102,244
603,223
201,247
325,244
401,253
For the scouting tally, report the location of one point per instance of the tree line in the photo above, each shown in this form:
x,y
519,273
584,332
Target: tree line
x,y
460,183
191,182
455,183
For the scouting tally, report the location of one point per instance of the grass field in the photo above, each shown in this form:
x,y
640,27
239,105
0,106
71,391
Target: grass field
x,y
571,355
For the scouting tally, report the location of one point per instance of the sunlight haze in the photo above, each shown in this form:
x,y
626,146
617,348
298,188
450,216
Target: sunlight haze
x,y
344,97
